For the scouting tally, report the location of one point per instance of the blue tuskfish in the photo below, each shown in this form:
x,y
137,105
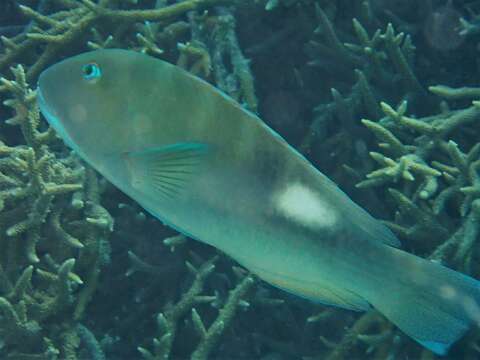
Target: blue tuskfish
x,y
198,161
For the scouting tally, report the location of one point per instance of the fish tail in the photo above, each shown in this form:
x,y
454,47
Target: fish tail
x,y
429,302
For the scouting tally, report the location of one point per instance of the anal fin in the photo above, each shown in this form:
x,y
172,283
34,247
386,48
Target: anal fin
x,y
316,292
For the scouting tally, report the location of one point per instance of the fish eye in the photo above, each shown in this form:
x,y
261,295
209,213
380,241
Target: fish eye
x,y
91,72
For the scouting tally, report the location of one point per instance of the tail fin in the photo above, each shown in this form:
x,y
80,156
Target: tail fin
x,y
429,302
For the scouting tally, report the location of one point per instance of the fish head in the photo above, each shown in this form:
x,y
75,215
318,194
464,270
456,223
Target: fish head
x,y
85,98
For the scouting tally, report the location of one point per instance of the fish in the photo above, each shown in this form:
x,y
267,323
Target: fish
x,y
204,165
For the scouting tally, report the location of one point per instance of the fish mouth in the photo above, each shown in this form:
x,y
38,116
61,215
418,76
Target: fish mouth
x,y
46,110
52,118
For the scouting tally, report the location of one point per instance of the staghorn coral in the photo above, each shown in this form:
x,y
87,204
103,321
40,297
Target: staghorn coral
x,y
167,321
60,199
51,230
342,63
431,178
415,171
64,28
371,61
433,186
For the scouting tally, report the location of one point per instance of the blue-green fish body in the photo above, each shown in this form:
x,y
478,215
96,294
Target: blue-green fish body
x,y
202,164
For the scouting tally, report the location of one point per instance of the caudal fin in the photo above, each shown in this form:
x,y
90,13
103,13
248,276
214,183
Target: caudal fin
x,y
429,302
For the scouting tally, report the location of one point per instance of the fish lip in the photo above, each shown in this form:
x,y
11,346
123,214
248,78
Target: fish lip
x,y
51,115
40,98
46,110
42,104
54,120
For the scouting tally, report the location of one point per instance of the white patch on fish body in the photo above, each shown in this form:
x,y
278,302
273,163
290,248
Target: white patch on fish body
x,y
304,206
447,291
142,127
78,113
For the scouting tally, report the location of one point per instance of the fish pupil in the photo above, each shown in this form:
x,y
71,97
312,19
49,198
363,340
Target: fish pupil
x,y
91,71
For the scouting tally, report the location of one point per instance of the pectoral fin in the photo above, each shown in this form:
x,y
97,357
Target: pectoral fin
x,y
165,171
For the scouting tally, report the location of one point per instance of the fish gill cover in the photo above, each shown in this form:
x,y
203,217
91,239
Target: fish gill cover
x,y
380,95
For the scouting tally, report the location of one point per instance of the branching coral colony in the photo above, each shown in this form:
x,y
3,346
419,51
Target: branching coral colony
x,y
410,148
53,231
